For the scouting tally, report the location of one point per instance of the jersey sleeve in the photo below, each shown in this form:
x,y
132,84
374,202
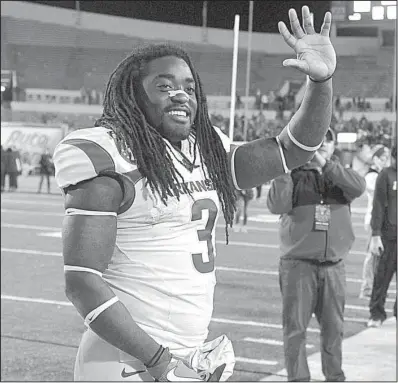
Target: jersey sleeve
x,y
224,139
88,153
230,148
83,155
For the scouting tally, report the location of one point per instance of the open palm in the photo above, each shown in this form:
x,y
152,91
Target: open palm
x,y
316,56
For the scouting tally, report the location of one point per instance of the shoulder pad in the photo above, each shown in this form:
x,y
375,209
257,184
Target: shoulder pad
x,y
85,154
224,139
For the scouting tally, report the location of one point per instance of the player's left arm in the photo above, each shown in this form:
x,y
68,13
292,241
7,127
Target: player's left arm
x,y
259,161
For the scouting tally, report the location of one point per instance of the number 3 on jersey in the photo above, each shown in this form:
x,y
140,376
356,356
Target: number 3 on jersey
x,y
205,234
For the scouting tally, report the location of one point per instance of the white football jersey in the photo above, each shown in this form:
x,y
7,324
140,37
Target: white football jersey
x,y
162,267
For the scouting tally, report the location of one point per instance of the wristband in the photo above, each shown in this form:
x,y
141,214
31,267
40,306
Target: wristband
x,y
156,357
321,81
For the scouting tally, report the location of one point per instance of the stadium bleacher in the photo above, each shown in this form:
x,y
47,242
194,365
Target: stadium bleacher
x,y
60,57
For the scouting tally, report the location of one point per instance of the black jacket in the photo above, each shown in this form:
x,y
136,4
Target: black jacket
x,y
384,212
295,196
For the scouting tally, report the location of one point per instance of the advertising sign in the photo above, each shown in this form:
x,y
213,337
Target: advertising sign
x,y
30,139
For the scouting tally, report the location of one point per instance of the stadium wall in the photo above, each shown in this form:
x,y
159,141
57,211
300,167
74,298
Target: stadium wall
x,y
158,31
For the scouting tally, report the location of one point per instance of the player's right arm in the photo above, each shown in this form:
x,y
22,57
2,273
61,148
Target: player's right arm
x,y
88,244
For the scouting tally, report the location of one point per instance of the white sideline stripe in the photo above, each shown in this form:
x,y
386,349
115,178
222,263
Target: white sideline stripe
x,y
255,324
33,252
51,234
256,361
254,228
276,230
35,202
219,268
220,242
271,342
65,303
35,300
31,212
356,320
217,320
390,300
250,244
263,245
265,272
363,308
269,272
219,226
31,227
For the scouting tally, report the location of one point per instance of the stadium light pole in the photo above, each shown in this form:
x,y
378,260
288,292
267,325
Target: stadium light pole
x,y
394,88
77,6
204,21
234,74
248,65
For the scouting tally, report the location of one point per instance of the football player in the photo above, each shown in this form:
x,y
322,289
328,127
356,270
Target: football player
x,y
143,191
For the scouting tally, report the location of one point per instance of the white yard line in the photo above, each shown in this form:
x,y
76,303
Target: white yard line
x,y
69,304
266,272
364,308
256,361
32,202
32,252
35,300
218,268
220,242
216,320
271,342
31,212
29,227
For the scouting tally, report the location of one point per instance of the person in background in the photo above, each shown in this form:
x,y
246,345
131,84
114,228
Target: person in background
x,y
13,167
379,161
46,170
384,239
244,197
315,234
259,190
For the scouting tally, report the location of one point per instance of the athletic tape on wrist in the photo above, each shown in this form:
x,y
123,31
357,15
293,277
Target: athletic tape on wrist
x,y
300,145
321,81
156,357
93,315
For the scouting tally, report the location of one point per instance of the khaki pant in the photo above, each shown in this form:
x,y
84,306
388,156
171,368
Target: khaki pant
x,y
309,288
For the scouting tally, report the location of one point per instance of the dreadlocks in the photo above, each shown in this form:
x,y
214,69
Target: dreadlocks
x,y
136,137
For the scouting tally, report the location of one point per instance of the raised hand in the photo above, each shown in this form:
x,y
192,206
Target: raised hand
x,y
316,56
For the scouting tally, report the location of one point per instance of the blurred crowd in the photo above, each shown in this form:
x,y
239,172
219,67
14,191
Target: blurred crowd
x,y
370,133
